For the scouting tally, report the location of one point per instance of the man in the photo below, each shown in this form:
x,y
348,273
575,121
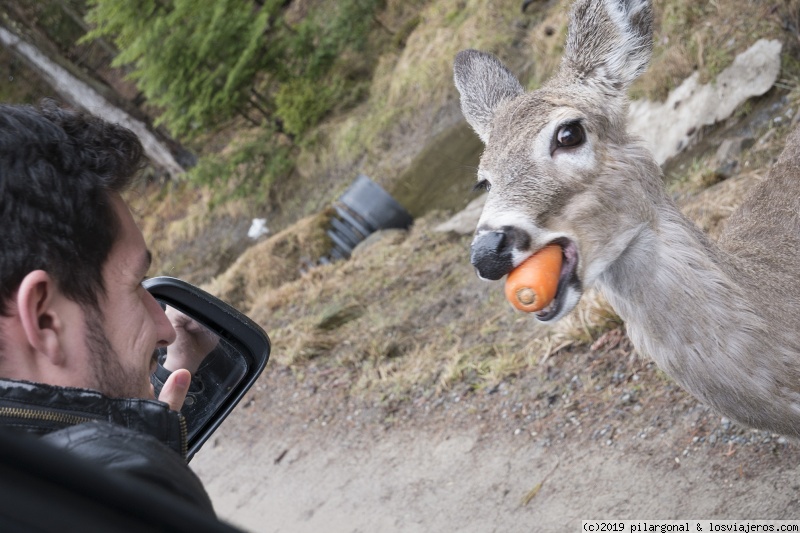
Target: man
x,y
78,331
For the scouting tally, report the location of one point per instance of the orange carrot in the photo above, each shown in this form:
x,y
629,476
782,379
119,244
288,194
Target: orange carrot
x,y
532,285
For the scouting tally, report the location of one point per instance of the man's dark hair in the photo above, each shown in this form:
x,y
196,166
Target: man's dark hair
x,y
57,168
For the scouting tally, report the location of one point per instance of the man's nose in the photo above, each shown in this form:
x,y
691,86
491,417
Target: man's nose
x,y
164,330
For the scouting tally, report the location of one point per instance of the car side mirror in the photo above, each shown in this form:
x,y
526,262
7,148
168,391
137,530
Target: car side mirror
x,y
228,353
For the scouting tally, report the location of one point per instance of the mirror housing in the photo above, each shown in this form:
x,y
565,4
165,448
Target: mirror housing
x,y
228,370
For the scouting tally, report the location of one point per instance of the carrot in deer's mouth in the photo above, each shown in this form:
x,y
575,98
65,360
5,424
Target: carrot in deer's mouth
x,y
532,285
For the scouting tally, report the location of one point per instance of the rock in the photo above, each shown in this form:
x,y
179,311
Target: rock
x,y
465,221
391,236
669,127
728,154
728,151
722,172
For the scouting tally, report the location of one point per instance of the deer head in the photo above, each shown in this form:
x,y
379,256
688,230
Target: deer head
x,y
559,165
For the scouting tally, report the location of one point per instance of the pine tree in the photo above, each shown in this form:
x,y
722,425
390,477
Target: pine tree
x,y
196,61
202,63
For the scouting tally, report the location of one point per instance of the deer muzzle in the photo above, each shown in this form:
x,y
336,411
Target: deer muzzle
x,y
491,254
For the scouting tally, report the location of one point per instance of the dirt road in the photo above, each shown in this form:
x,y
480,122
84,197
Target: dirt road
x,y
302,460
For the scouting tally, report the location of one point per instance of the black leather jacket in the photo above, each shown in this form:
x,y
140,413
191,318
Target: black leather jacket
x,y
143,438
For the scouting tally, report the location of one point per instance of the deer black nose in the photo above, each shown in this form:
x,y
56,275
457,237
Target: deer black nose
x,y
491,254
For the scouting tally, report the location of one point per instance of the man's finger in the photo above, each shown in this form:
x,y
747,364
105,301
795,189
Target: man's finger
x,y
175,388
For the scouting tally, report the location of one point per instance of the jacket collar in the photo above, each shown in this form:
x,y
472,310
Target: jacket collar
x,y
40,408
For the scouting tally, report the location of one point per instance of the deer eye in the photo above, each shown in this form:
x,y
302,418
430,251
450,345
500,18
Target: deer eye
x,y
569,135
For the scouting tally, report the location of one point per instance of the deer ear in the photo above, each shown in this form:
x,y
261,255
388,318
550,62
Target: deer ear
x,y
609,41
484,83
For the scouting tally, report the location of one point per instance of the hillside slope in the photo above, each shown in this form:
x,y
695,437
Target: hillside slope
x,y
404,394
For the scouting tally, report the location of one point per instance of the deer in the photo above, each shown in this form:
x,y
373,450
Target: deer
x,y
721,318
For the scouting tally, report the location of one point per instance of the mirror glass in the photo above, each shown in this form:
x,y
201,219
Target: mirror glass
x,y
223,349
217,367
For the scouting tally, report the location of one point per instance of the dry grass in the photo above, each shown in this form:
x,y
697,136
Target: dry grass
x,y
189,238
705,36
710,208
546,43
404,318
273,262
411,85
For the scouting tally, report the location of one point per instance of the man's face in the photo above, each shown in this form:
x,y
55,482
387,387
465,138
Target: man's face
x,y
129,324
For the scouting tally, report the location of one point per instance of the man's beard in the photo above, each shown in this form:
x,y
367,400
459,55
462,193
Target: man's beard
x,y
110,376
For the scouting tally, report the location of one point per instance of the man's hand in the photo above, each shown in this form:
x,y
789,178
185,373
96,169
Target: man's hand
x,y
184,356
193,343
175,389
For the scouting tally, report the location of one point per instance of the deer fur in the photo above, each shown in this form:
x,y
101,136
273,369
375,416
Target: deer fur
x,y
722,319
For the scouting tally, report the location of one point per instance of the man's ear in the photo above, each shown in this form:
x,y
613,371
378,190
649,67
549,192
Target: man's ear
x,y
39,315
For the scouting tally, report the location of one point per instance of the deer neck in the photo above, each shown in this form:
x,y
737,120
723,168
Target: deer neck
x,y
685,306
